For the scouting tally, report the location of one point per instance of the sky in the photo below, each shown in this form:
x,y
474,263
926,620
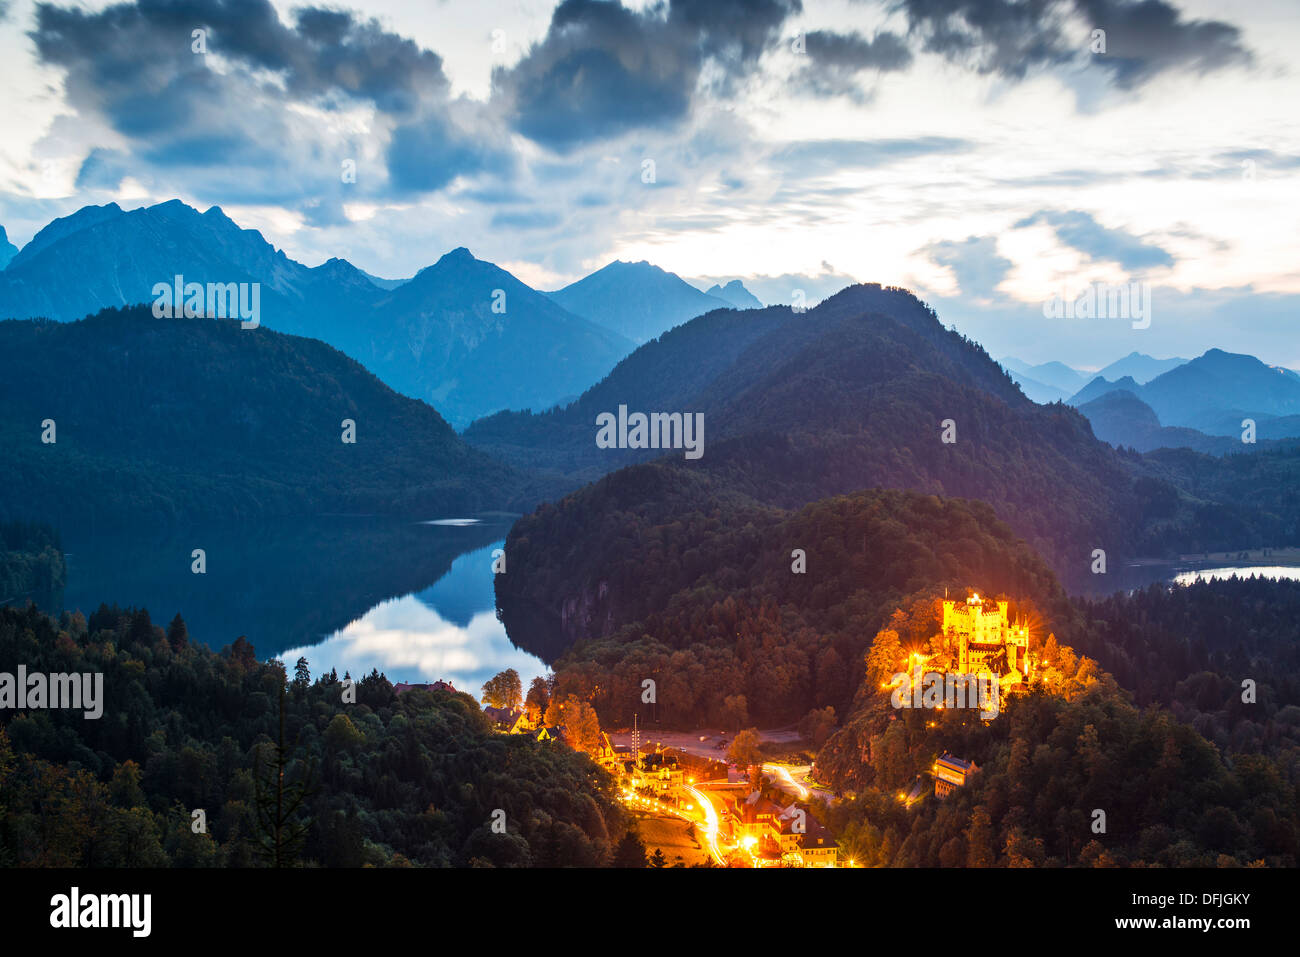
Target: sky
x,y
987,154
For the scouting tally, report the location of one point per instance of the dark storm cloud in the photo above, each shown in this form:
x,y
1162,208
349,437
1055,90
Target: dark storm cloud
x,y
133,65
1012,37
1080,231
836,59
1150,37
603,69
974,262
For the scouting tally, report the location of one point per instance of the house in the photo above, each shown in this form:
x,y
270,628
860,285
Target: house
x,y
951,773
658,770
508,720
755,825
554,733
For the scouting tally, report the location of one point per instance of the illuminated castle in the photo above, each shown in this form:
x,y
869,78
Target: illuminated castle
x,y
978,632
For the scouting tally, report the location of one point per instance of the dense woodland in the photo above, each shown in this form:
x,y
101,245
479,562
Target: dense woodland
x,y
385,781
701,595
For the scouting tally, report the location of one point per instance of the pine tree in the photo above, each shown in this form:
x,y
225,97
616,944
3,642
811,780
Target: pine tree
x,y
280,831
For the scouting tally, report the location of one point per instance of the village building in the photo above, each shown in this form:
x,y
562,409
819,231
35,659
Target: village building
x,y
951,773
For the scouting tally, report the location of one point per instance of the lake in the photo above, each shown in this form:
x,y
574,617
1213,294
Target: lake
x,y
412,599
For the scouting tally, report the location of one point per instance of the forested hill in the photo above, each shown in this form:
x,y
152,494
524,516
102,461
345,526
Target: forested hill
x,y
653,575
1196,774
198,417
853,394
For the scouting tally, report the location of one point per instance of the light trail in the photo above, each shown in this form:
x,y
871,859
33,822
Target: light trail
x,y
785,774
710,824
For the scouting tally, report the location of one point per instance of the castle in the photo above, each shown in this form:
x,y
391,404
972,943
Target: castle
x,y
982,639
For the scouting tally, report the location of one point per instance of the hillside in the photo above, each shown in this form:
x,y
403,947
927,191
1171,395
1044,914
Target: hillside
x,y
1192,776
851,395
208,419
657,573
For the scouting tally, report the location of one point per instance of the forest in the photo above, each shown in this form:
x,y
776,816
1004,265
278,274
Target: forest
x,y
710,599
206,759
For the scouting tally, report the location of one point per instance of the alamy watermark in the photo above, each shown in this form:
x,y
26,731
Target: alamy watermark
x,y
1099,300
79,692
214,300
938,689
658,430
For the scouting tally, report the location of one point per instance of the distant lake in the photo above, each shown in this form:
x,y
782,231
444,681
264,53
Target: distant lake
x,y
412,599
1262,571
1139,575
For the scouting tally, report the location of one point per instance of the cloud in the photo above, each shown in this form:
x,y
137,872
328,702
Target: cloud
x,y
835,60
1080,231
1011,38
784,289
1149,37
974,262
829,156
260,110
602,70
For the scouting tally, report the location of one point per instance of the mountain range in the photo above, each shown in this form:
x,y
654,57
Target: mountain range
x,y
1211,394
638,300
1056,381
853,394
735,293
463,334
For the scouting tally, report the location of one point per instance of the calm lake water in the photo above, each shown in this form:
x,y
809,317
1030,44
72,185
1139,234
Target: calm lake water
x,y
414,600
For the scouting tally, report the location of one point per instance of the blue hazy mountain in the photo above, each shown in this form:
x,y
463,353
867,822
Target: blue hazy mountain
x,y
735,293
1054,375
1100,385
7,249
1039,392
636,300
1213,393
1122,419
1140,367
434,337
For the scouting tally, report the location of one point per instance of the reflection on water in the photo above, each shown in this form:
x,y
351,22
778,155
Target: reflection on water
x,y
413,599
1139,575
416,638
1247,571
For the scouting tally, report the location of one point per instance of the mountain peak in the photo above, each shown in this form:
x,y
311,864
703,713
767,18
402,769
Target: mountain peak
x,y
458,255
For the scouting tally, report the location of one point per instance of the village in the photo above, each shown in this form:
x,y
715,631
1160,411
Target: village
x,y
701,800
